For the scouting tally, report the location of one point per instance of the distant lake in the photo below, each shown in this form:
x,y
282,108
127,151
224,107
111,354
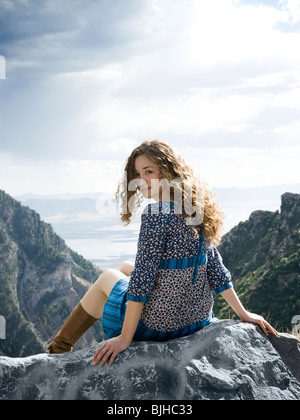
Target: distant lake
x,y
105,247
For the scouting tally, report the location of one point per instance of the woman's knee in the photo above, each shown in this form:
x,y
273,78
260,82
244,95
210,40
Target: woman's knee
x,y
127,267
108,280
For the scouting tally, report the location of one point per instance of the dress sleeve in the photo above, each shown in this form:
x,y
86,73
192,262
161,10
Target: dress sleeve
x,y
218,276
151,244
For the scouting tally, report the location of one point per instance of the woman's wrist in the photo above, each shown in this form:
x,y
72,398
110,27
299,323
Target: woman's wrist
x,y
126,338
132,317
244,316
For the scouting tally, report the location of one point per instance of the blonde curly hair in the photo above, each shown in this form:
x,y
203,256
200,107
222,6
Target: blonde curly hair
x,y
187,190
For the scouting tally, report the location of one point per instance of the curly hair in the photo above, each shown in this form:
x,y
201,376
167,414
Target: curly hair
x,y
194,200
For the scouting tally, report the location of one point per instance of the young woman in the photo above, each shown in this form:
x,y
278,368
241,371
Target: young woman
x,y
167,293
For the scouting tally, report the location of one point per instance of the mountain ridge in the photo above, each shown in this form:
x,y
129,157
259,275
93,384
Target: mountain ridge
x,y
263,255
41,279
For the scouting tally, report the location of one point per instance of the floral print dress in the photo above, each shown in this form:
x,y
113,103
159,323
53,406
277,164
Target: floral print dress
x,y
175,274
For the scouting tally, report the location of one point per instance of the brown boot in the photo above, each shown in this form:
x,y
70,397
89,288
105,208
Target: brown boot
x,y
73,329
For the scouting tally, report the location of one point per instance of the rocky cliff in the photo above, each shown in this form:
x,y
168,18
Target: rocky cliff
x,y
228,360
263,255
41,280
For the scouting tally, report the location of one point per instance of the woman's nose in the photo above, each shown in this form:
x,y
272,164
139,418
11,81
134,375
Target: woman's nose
x,y
142,183
145,180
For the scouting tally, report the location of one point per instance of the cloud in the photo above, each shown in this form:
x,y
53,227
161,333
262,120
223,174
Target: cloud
x,y
49,37
89,80
55,177
293,8
245,168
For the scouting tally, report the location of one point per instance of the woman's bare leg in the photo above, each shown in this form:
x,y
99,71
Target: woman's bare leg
x,y
95,299
86,313
127,268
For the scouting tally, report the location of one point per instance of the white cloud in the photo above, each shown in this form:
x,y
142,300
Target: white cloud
x,y
125,145
220,167
106,73
245,168
220,33
293,8
59,177
184,115
219,76
225,69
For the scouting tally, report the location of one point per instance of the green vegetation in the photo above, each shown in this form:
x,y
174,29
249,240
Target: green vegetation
x,y
263,255
36,287
84,269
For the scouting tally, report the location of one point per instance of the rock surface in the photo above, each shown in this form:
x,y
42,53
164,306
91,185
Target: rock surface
x,y
228,360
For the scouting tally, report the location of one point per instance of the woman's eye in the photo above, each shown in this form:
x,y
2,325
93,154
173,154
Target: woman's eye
x,y
147,173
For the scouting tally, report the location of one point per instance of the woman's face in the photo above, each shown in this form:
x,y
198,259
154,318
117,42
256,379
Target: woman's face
x,y
149,175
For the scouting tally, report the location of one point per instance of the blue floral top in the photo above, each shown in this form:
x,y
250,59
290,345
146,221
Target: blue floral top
x,y
174,272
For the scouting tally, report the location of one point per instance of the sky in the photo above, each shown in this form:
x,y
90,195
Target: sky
x,y
89,80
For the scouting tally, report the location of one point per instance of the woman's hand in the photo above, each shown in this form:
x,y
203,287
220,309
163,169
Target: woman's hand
x,y
259,320
233,300
110,348
114,346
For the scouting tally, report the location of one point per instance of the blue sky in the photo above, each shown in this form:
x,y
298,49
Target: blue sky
x,y
86,81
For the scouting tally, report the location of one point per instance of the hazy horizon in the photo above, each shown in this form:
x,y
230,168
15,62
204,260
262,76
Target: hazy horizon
x,y
105,241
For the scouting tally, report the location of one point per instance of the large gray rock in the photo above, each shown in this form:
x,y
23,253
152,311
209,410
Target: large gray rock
x,y
227,360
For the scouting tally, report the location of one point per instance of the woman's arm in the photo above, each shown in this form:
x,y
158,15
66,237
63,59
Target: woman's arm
x,y
113,347
232,299
132,318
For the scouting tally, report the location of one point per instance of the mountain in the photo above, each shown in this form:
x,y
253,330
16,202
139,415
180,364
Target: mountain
x,y
64,209
68,208
41,279
263,255
239,203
